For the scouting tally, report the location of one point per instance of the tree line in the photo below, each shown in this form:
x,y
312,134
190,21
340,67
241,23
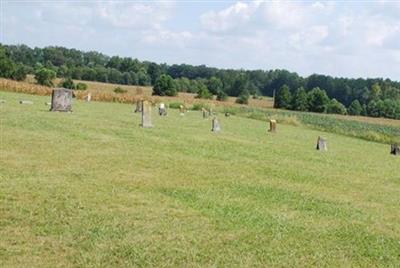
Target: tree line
x,y
317,93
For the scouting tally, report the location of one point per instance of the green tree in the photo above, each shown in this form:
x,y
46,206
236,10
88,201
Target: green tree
x,y
7,66
335,107
222,96
45,76
81,86
355,108
375,92
283,98
165,86
300,100
214,85
243,97
317,100
20,72
204,93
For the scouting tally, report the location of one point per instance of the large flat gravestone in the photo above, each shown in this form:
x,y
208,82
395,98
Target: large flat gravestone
x,y
61,100
322,144
394,149
216,126
272,126
146,114
139,107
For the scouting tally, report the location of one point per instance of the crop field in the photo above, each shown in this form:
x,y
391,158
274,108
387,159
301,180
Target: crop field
x,y
92,189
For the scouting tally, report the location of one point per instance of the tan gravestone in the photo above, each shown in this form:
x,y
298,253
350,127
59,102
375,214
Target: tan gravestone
x,y
88,97
394,149
272,126
61,100
322,144
215,125
139,107
204,111
146,114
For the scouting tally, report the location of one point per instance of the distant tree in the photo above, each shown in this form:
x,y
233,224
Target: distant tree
x,y
67,83
300,100
7,66
20,72
375,92
283,98
215,85
204,93
45,76
222,96
355,108
372,109
243,98
335,107
165,86
317,100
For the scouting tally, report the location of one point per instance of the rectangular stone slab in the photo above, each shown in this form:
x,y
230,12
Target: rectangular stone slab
x,y
61,100
146,115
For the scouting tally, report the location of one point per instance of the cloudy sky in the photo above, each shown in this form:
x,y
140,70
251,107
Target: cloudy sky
x,y
351,39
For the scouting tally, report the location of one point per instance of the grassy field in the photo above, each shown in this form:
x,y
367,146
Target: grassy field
x,y
91,188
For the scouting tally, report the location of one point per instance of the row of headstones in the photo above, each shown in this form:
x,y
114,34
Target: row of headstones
x,y
61,100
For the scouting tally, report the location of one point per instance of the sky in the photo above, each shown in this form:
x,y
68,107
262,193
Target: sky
x,y
339,38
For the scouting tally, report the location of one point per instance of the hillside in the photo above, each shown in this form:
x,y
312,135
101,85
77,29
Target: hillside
x,y
92,188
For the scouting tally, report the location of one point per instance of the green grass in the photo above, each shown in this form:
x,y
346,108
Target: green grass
x,y
353,127
91,188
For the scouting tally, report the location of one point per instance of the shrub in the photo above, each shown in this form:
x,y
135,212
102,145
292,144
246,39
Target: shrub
x,y
199,106
335,107
67,83
165,86
243,98
283,98
175,105
120,90
204,93
222,96
45,76
81,86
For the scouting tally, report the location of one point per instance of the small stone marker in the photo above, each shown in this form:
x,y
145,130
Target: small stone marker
x,y
139,106
272,126
182,109
61,100
215,127
227,114
25,102
394,149
146,114
88,97
204,111
2,101
210,112
322,144
162,110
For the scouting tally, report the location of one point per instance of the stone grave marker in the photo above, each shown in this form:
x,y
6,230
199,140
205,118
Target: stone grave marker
x,y
88,97
61,100
215,125
162,110
146,114
272,126
322,144
394,149
204,111
2,101
139,106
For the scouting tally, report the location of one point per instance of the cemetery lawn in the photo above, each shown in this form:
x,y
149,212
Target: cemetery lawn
x,y
91,188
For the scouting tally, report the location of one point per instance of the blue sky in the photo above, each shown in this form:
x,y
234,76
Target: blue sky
x,y
350,39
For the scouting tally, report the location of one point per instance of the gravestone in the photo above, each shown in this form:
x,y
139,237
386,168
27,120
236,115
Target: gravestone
x,y
322,144
210,112
204,111
61,100
139,106
215,127
162,110
272,126
182,109
88,97
394,149
146,114
25,102
2,101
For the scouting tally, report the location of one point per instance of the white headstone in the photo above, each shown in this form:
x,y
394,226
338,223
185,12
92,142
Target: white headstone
x,y
146,114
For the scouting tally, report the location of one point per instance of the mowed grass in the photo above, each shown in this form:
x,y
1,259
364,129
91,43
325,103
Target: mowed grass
x,y
91,188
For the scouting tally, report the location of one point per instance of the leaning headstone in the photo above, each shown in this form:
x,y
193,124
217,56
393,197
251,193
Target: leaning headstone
x,y
139,107
61,100
322,144
272,126
215,127
25,102
88,97
146,114
394,149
